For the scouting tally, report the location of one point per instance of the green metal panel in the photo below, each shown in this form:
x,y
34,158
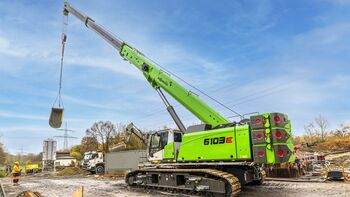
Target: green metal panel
x,y
243,142
158,78
169,151
234,144
291,148
218,144
270,154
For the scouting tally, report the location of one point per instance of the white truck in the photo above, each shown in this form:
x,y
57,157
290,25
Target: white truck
x,y
94,162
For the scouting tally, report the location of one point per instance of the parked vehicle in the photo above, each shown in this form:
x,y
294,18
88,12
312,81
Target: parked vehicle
x,y
32,168
94,162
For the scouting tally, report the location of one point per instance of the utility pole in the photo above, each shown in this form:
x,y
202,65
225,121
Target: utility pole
x,y
66,136
22,149
21,153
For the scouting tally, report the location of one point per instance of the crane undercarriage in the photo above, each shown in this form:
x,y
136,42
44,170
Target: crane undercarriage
x,y
213,179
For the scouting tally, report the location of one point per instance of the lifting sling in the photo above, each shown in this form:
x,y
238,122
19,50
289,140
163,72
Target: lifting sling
x,y
56,116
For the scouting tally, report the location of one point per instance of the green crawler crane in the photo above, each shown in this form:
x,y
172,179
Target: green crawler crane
x,y
213,158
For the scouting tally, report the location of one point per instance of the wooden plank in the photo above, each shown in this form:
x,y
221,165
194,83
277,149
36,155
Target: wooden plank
x,y
2,191
79,192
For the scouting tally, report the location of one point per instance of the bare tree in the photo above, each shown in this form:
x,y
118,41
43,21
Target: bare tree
x,y
103,132
311,135
343,131
118,138
309,129
120,127
322,124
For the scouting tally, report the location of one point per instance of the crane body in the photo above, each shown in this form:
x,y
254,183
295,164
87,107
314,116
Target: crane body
x,y
215,157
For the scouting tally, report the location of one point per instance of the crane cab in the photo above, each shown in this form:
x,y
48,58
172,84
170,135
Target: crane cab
x,y
164,145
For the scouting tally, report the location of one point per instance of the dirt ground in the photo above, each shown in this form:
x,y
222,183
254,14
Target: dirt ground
x,y
106,187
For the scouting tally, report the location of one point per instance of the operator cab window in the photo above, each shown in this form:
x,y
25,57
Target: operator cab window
x,y
155,144
164,139
158,142
155,141
177,137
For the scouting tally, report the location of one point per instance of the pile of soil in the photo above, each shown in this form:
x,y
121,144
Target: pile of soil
x,y
70,171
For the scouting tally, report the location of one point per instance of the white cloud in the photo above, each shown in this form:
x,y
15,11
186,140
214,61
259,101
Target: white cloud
x,y
7,48
340,2
324,36
259,17
86,102
113,64
24,129
21,116
24,116
6,100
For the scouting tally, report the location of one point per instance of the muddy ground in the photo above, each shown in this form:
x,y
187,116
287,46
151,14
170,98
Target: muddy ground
x,y
94,187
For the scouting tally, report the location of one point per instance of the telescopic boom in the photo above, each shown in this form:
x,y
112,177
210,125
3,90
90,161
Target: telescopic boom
x,y
155,76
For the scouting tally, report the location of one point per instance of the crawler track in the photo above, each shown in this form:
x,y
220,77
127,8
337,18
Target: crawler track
x,y
209,182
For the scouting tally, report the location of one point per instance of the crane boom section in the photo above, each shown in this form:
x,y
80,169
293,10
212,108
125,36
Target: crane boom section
x,y
158,78
155,76
90,23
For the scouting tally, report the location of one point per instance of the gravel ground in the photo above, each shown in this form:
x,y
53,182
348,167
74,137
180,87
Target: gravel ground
x,y
93,187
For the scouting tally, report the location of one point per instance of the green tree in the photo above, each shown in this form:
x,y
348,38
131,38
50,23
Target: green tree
x,y
76,155
75,151
76,148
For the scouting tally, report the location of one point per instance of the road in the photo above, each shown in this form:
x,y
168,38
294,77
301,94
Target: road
x,y
64,186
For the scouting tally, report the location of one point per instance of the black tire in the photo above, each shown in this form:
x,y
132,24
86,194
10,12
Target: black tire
x,y
100,170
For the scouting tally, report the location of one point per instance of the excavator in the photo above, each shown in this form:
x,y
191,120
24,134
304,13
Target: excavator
x,y
214,158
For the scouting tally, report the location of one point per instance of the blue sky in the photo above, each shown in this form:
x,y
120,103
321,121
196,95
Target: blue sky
x,y
254,56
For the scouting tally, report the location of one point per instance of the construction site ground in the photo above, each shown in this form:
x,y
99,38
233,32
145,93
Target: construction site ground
x,y
48,185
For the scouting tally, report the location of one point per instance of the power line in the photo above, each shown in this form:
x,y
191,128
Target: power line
x,y
192,86
274,90
161,109
241,100
212,98
66,136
